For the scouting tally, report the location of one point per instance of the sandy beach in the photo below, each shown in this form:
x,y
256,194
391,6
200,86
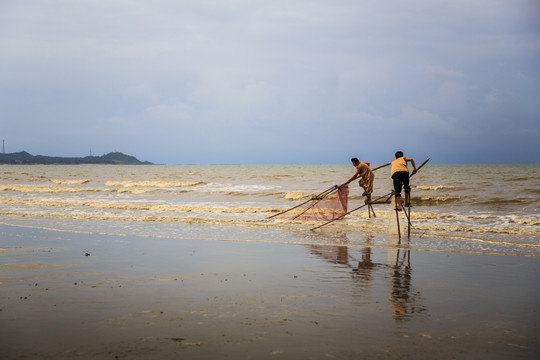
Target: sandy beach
x,y
74,295
269,180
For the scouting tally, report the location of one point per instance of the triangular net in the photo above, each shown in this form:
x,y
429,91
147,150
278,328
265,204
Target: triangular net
x,y
323,208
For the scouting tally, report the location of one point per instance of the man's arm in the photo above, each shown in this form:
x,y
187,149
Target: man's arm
x,y
411,160
353,177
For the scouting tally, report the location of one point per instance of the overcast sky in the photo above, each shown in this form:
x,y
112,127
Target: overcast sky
x,y
272,82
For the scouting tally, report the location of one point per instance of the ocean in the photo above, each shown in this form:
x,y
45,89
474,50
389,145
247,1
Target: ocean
x,y
491,209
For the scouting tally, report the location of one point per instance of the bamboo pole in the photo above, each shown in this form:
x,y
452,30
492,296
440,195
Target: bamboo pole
x,y
380,197
324,193
409,222
342,216
408,215
397,220
316,202
418,168
372,210
388,197
377,168
320,196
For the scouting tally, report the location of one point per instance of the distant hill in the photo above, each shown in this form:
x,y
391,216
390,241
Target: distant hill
x,y
113,158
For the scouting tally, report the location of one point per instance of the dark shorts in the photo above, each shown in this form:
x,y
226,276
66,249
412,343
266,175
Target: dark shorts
x,y
401,179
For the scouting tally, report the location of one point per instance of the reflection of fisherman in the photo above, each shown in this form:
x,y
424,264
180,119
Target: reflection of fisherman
x,y
400,175
366,177
402,300
405,301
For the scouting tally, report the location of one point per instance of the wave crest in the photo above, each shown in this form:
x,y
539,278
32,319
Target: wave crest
x,y
161,184
70,182
434,199
298,196
437,187
52,189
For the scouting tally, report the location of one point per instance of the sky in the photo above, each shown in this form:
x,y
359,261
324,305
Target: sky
x,y
272,82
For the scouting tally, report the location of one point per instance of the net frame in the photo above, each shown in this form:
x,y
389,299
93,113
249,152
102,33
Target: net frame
x,y
322,208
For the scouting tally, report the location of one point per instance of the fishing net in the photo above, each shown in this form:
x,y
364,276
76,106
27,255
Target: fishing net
x,y
323,208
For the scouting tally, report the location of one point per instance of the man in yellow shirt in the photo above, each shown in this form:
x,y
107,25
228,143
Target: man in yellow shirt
x,y
400,175
366,177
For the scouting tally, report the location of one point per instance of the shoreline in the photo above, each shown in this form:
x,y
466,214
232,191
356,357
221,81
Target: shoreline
x,y
139,297
282,233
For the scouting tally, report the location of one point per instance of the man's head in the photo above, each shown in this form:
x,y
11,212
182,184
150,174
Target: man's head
x,y
399,154
355,161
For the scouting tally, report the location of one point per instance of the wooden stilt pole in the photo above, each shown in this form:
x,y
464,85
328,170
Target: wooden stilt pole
x,y
389,195
397,212
319,197
409,213
372,210
409,222
408,216
397,220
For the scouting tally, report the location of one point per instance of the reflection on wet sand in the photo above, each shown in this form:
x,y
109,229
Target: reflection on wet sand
x,y
405,301
337,254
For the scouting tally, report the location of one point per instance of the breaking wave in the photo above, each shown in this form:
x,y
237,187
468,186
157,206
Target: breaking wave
x,y
70,182
525,221
438,187
51,189
424,200
131,206
427,199
158,184
298,196
441,222
247,196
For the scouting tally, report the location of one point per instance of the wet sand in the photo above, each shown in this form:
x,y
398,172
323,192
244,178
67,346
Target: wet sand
x,y
81,296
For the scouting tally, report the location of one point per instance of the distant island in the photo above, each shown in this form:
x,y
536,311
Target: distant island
x,y
113,158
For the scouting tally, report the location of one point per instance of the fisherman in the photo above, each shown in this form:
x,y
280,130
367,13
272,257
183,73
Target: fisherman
x,y
400,175
366,177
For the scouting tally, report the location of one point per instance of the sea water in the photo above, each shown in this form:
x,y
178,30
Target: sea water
x,y
463,208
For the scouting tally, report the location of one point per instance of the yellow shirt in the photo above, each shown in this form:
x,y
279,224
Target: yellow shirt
x,y
399,165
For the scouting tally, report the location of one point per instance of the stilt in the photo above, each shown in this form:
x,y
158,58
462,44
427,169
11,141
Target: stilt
x,y
397,221
408,221
408,205
408,216
372,210
377,200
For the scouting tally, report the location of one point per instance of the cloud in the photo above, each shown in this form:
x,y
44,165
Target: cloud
x,y
442,71
178,112
422,121
242,80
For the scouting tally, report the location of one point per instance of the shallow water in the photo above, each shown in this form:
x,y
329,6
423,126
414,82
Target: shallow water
x,y
468,208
